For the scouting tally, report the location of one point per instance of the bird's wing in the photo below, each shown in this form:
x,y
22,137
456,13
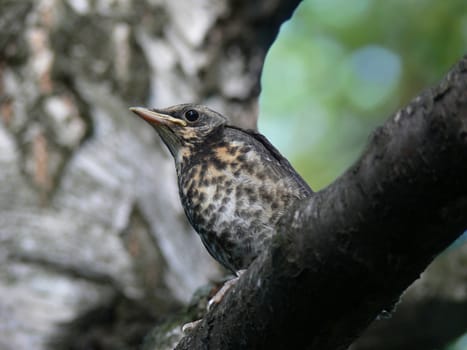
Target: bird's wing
x,y
285,164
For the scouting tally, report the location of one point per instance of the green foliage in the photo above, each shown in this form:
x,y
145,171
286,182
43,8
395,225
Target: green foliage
x,y
339,68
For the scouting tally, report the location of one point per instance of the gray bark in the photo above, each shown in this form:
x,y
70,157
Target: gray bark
x,y
90,216
89,208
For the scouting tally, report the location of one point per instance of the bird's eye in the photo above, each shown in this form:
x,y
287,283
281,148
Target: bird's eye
x,y
191,115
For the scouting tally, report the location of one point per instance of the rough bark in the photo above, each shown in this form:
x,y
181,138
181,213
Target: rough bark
x,y
431,313
90,219
345,255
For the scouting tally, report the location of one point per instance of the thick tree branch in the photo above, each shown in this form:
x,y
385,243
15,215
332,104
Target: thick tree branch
x,y
432,311
423,325
348,252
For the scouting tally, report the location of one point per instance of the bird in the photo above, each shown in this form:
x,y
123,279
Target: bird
x,y
234,185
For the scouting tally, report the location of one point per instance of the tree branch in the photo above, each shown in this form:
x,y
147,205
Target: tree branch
x,y
432,311
347,253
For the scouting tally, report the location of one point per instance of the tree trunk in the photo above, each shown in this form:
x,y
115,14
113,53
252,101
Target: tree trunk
x,y
90,214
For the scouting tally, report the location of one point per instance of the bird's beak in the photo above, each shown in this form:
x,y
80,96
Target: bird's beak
x,y
157,118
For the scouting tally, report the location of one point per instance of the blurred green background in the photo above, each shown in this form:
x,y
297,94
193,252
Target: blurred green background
x,y
340,68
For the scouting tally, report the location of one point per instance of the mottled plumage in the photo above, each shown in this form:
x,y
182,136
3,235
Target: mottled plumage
x,y
234,185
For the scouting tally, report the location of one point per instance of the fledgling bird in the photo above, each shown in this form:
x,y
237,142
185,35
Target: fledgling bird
x,y
234,185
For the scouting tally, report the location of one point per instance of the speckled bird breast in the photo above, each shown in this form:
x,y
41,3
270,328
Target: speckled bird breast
x,y
233,197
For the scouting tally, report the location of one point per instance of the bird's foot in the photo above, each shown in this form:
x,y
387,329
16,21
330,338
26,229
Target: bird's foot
x,y
216,299
188,327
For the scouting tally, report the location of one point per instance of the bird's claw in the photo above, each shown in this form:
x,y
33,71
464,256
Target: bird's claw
x,y
188,327
217,298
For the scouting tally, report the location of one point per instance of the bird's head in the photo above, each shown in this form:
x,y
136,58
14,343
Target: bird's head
x,y
184,125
